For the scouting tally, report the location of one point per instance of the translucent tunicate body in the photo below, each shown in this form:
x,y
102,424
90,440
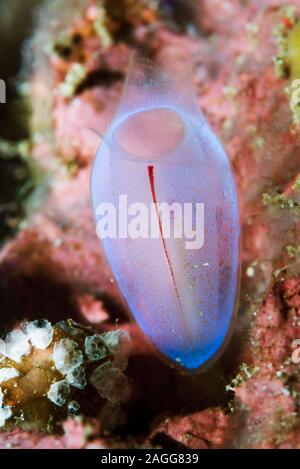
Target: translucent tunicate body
x,y
178,274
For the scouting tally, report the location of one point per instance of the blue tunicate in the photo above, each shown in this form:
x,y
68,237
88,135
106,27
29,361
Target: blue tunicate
x,y
176,264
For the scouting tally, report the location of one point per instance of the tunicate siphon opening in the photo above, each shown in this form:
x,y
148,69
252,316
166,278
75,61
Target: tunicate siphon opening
x,y
150,134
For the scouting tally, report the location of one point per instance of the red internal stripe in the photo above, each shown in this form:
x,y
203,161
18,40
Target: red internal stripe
x,y
152,187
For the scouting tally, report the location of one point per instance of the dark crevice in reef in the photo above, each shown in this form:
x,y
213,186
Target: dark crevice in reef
x,y
179,13
282,304
33,295
179,393
15,174
103,77
166,442
117,11
17,17
65,50
15,184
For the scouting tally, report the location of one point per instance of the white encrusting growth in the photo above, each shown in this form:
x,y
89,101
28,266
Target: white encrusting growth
x,y
118,344
5,411
41,351
77,377
15,346
95,348
40,333
5,414
58,392
109,382
67,356
7,374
